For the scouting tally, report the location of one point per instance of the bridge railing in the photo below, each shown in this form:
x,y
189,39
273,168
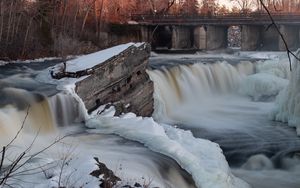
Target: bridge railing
x,y
228,16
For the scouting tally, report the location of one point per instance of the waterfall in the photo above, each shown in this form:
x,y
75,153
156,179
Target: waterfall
x,y
66,109
45,114
190,84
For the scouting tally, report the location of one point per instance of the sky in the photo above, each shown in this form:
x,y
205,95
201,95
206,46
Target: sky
x,y
225,2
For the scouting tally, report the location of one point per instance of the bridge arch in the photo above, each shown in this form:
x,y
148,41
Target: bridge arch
x,y
162,37
210,33
234,36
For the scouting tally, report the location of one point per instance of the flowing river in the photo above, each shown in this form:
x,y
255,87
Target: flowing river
x,y
205,96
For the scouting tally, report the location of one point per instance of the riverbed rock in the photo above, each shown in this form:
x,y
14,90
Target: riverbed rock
x,y
122,81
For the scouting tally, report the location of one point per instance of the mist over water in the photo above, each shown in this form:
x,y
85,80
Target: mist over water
x,y
206,99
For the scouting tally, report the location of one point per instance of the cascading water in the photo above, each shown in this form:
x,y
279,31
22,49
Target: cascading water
x,y
47,114
13,115
195,85
206,99
202,97
66,109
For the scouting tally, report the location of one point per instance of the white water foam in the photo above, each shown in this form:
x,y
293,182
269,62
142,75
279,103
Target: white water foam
x,y
203,159
288,101
194,85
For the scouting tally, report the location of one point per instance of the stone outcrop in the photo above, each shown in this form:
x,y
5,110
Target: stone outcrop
x,y
121,81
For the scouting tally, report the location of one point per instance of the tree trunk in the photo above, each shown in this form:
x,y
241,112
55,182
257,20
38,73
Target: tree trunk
x,y
2,19
75,19
18,24
86,16
100,18
26,36
9,22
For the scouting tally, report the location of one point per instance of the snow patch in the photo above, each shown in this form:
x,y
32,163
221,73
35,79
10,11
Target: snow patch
x,y
2,63
91,60
81,63
38,60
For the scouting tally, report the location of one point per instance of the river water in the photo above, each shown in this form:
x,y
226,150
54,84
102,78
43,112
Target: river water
x,y
201,95
206,99
52,114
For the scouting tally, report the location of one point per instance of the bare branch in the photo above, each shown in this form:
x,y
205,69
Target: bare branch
x,y
13,166
21,128
289,52
2,157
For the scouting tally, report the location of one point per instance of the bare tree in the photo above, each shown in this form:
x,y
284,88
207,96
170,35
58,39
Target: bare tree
x,y
273,23
245,5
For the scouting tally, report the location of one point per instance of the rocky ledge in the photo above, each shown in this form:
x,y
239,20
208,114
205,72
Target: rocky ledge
x,y
120,81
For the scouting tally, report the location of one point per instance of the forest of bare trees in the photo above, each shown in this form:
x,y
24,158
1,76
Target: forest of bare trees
x,y
36,28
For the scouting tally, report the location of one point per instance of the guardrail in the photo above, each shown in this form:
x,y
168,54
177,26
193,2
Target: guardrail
x,y
243,18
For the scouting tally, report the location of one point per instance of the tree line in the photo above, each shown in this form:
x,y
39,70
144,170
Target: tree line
x,y
37,28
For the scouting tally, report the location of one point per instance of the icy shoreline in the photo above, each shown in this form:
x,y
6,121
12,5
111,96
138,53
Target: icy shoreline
x,y
288,101
203,159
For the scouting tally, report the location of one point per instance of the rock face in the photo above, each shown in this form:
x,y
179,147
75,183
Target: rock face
x,y
122,81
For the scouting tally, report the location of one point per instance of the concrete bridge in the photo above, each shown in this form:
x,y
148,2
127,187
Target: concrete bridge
x,y
211,32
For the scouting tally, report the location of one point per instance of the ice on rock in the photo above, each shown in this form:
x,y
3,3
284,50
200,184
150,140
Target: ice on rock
x,y
271,77
262,86
288,101
277,67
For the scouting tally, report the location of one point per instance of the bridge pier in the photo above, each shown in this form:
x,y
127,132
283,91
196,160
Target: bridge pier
x,y
216,37
270,38
200,38
291,36
251,38
186,32
146,33
181,37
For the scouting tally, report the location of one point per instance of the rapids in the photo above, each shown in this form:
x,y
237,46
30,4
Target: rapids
x,y
201,95
47,114
206,99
